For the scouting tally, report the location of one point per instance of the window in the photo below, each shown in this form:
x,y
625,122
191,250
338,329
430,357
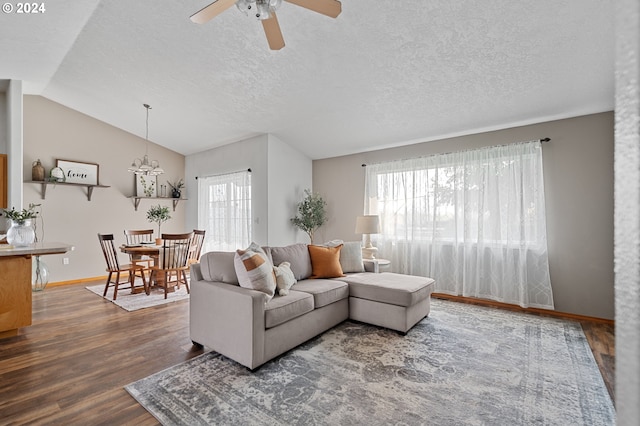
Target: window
x,y
224,211
472,220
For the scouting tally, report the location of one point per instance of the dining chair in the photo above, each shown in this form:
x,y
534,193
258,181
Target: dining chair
x,y
196,246
173,261
113,266
139,236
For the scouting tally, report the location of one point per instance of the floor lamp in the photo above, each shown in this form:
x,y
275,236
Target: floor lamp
x,y
367,225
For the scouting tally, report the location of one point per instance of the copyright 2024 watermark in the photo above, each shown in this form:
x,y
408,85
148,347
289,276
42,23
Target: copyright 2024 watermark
x,y
23,8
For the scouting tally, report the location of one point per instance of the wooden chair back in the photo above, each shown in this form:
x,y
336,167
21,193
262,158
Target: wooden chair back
x,y
174,253
196,245
138,236
109,250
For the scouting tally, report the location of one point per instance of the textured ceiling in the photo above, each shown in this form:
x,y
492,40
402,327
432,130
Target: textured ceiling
x,y
382,74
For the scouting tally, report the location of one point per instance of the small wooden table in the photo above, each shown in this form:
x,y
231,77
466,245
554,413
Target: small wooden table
x,y
137,251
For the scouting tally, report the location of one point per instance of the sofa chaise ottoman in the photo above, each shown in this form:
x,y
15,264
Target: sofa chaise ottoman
x,y
252,327
389,300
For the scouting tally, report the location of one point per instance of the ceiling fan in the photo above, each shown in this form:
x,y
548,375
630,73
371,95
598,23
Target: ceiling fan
x,y
265,11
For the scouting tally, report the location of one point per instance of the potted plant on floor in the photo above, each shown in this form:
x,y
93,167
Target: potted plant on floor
x,y
312,213
158,214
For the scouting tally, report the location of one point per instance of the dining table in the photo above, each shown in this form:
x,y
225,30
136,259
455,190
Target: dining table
x,y
139,251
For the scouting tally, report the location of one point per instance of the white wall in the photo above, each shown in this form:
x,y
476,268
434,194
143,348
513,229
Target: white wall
x,y
3,122
14,142
627,207
279,176
247,154
578,169
290,173
52,131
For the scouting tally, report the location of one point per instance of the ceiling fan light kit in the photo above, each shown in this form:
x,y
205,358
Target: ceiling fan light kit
x,y
265,11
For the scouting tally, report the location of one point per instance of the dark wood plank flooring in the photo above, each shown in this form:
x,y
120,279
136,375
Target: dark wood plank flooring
x,y
71,365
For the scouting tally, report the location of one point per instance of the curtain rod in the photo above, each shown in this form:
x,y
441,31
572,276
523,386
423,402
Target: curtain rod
x,y
222,174
540,140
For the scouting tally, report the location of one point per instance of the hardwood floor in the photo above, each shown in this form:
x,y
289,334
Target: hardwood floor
x,y
71,365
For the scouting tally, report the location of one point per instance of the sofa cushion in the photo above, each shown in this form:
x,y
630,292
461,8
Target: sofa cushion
x,y
324,292
284,278
284,308
254,270
297,255
325,261
350,255
219,266
391,288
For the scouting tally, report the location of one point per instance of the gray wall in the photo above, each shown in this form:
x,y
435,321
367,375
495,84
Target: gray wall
x,y
578,167
53,131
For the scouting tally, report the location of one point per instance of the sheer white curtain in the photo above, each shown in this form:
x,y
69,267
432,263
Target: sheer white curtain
x,y
224,211
472,220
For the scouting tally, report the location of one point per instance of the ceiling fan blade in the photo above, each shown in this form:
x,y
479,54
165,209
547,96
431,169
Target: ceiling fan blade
x,y
207,13
273,33
331,8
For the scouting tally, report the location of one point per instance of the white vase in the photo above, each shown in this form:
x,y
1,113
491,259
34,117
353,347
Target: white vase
x,y
21,234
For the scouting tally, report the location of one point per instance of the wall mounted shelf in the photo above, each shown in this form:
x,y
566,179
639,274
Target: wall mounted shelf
x,y
44,185
136,200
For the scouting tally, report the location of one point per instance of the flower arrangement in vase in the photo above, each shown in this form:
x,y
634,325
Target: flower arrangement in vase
x,y
21,233
176,188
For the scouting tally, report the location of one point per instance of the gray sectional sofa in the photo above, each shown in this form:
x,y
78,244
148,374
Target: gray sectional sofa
x,y
251,328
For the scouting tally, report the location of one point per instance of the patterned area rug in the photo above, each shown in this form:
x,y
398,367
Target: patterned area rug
x,y
133,302
463,365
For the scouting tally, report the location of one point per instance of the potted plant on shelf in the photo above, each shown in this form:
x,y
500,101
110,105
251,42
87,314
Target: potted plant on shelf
x,y
312,213
21,232
176,188
159,215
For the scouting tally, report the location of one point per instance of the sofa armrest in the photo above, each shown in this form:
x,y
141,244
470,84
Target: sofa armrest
x,y
228,319
195,272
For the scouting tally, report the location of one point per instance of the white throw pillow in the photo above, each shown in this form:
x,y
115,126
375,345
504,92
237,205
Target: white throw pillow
x,y
254,270
350,255
284,278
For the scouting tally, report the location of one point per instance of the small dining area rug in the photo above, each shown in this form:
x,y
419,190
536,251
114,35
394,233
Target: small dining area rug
x,y
133,302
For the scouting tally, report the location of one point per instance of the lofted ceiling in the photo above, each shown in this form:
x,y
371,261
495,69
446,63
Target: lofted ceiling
x,y
384,73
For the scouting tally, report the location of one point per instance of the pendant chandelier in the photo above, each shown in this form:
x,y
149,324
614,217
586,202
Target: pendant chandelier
x,y
145,166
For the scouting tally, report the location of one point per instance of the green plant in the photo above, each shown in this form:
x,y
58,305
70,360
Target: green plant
x,y
177,185
312,213
159,215
20,216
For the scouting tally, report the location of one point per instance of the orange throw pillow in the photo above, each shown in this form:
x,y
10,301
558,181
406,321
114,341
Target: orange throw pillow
x,y
325,261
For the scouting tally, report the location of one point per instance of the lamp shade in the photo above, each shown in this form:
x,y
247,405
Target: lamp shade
x,y
368,224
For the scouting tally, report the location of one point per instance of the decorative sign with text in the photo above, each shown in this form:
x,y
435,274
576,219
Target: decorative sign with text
x,y
78,172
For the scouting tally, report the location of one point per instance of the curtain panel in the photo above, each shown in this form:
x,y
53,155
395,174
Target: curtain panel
x,y
472,220
224,211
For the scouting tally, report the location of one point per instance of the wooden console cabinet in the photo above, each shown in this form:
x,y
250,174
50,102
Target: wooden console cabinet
x,y
15,284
